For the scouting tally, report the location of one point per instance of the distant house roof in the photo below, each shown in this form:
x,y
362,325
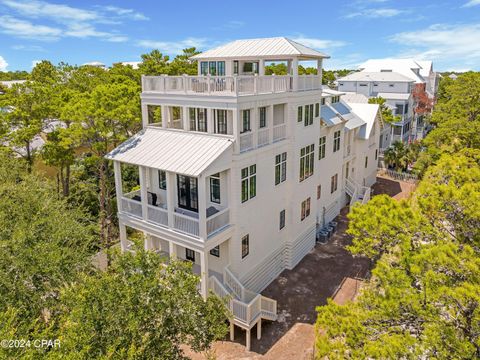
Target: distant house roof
x,y
10,83
94,63
350,97
394,96
376,76
171,150
427,67
273,48
133,64
406,67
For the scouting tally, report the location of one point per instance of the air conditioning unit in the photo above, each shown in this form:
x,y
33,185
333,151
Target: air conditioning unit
x,y
322,236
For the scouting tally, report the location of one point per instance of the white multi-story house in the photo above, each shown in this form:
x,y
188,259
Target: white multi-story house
x,y
396,89
241,168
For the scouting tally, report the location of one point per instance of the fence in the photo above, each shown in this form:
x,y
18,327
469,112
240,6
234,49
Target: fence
x,y
398,175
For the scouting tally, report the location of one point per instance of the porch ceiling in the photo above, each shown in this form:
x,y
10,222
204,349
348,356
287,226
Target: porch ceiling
x,y
171,150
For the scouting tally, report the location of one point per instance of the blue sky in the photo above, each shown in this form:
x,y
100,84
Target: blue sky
x,y
447,32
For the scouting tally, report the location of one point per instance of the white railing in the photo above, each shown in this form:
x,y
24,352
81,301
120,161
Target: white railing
x,y
186,224
398,175
157,215
350,186
228,85
263,137
268,306
366,195
133,207
217,287
218,221
279,132
233,283
246,141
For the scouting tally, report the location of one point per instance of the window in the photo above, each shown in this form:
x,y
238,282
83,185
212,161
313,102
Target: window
x,y
245,121
215,188
249,182
398,109
221,68
198,119
406,109
162,179
300,114
363,85
282,219
187,192
245,246
321,147
317,110
263,117
215,251
323,101
212,68
366,162
334,183
375,84
220,121
250,67
305,209
391,85
204,67
336,141
235,67
376,154
280,168
335,99
306,161
308,114
190,255
319,192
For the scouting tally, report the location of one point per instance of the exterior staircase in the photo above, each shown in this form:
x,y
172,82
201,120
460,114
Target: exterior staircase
x,y
357,192
247,307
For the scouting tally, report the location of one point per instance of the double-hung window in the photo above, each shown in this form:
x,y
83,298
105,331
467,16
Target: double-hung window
x,y
198,119
246,120
308,115
300,114
336,141
317,110
282,219
334,183
249,182
280,168
263,117
322,147
245,245
307,157
220,121
305,209
162,180
215,188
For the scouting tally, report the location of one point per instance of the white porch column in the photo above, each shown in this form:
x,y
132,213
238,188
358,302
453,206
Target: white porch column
x,y
204,273
236,129
270,123
295,73
202,207
123,236
148,244
172,250
319,70
186,120
117,168
254,125
261,67
232,331
170,198
259,329
248,340
144,115
142,170
210,122
164,112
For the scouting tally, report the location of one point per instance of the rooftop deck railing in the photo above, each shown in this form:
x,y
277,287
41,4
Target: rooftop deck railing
x,y
229,85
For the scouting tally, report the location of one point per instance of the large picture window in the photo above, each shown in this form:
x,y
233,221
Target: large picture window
x,y
306,161
249,182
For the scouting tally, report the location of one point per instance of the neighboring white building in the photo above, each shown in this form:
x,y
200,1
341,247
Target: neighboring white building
x,y
396,89
243,168
95,64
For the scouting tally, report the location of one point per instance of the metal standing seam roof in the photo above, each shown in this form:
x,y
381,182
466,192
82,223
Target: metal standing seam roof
x,y
266,47
171,150
376,76
394,96
402,66
367,113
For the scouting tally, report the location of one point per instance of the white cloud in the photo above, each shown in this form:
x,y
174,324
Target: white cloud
x,y
450,45
375,13
25,29
35,62
28,48
128,13
472,3
318,43
3,64
174,47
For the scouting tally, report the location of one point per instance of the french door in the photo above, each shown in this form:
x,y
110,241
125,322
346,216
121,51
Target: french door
x,y
187,192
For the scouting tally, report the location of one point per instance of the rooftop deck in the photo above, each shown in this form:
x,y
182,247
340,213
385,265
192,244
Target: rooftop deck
x,y
230,85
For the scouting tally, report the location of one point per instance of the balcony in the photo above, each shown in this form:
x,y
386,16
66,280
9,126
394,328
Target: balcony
x,y
229,85
183,220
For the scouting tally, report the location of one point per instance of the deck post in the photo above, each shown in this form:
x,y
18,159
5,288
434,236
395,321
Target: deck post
x,y
204,274
143,190
117,168
202,207
123,235
248,339
259,329
170,180
232,331
172,250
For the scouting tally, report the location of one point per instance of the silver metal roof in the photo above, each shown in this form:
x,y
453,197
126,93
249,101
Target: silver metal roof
x,y
394,96
171,150
376,76
273,48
